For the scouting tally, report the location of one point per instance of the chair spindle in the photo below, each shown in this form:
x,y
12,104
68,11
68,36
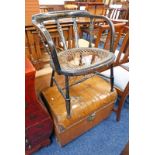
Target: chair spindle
x,y
61,34
75,32
91,28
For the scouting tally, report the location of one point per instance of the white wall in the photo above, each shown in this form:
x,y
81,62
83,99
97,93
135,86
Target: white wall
x,y
51,2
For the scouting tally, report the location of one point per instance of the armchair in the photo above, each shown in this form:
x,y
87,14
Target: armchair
x,y
76,61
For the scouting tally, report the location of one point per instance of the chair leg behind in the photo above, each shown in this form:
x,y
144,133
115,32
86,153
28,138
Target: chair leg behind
x,y
52,76
112,78
67,99
121,102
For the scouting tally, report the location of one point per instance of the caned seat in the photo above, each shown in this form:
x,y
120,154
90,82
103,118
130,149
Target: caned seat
x,y
75,61
84,60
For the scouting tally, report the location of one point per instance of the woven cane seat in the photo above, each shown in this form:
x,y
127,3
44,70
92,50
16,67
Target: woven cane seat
x,y
84,60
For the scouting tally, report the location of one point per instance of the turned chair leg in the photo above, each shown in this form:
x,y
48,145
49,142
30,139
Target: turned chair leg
x,y
67,99
112,78
52,76
121,102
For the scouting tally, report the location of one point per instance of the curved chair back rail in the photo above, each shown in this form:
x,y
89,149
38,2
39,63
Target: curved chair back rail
x,y
39,19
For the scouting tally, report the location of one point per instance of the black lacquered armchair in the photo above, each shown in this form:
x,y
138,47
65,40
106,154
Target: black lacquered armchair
x,y
78,61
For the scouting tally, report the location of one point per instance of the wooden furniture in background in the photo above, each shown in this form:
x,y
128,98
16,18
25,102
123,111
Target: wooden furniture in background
x,y
125,151
47,8
121,34
70,7
121,66
38,123
34,47
84,3
121,84
88,0
125,4
96,8
119,13
31,8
